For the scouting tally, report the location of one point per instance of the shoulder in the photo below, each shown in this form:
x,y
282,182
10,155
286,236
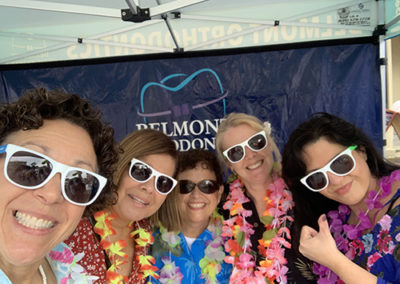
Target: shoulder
x,y
65,265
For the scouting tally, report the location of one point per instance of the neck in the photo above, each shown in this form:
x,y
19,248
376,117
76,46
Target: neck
x,y
119,224
23,274
193,230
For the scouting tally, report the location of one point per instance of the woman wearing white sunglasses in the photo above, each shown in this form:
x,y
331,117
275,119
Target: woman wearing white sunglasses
x,y
258,203
55,158
116,240
347,196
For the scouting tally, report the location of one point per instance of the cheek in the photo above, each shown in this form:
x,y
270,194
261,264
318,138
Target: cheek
x,y
159,199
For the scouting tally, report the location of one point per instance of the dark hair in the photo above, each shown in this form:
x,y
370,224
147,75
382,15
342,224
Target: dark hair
x,y
190,159
310,205
37,105
168,214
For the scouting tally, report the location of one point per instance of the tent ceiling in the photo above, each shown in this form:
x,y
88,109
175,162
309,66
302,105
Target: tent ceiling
x,y
38,31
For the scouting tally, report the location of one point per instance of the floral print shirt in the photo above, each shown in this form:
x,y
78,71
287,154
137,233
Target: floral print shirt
x,y
64,265
84,240
379,250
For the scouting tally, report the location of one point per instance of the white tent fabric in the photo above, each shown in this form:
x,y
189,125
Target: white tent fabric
x,y
41,31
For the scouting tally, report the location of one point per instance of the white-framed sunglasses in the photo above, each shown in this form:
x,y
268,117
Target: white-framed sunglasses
x,y
29,169
141,172
341,165
256,142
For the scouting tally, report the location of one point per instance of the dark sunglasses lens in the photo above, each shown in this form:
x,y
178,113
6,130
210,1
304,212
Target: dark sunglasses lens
x,y
140,172
316,181
186,186
236,153
164,184
208,186
257,142
342,164
28,169
81,187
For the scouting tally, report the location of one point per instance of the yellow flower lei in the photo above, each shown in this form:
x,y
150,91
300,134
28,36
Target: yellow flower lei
x,y
104,229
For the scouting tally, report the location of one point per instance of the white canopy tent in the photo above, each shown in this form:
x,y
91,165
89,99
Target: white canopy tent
x,y
40,31
34,31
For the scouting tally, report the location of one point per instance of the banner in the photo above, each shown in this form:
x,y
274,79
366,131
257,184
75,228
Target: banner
x,y
187,98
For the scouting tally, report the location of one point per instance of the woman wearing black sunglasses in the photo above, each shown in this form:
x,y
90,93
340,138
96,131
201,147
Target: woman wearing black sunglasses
x,y
347,197
192,244
257,202
115,240
55,158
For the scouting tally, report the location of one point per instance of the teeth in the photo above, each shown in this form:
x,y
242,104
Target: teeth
x,y
196,205
139,200
32,222
255,165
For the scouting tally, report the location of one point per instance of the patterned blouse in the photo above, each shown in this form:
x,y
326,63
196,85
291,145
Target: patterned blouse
x,y
95,260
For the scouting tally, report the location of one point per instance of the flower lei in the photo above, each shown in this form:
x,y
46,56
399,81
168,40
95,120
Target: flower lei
x,y
347,236
210,264
271,246
104,229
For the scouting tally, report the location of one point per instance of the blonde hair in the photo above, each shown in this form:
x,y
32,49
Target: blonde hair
x,y
235,119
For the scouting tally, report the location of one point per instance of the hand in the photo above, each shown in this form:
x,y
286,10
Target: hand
x,y
318,246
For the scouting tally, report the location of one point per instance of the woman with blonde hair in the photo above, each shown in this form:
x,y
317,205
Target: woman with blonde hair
x,y
258,207
115,241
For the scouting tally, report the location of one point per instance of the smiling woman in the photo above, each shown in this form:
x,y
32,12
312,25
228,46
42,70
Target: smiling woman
x,y
56,157
190,248
115,240
258,203
348,202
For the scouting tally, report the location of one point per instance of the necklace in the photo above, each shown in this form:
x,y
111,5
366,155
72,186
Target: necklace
x,y
273,243
210,264
114,251
347,236
41,270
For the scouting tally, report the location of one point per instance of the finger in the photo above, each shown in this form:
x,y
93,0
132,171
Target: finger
x,y
307,233
323,225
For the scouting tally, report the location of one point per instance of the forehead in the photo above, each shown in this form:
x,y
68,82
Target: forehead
x,y
319,153
197,174
237,134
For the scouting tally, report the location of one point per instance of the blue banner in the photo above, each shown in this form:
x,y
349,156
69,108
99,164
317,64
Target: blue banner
x,y
188,97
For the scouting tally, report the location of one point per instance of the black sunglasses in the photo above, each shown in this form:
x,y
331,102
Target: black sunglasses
x,y
142,172
29,169
206,186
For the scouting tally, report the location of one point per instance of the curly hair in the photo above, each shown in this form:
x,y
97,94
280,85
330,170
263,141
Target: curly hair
x,y
37,105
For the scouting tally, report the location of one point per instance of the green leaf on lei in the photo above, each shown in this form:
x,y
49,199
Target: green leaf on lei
x,y
266,220
240,238
396,253
269,234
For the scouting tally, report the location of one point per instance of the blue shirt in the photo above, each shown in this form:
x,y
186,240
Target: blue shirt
x,y
188,260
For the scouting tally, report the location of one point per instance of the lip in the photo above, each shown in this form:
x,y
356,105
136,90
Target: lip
x,y
198,205
255,165
25,215
344,189
139,202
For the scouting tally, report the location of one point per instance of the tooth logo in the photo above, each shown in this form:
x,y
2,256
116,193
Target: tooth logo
x,y
180,95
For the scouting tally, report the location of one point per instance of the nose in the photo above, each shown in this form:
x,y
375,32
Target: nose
x,y
149,186
334,179
248,152
50,192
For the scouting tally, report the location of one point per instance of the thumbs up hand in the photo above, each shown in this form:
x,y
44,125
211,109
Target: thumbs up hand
x,y
319,246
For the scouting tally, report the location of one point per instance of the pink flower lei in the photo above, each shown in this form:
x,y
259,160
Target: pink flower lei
x,y
271,246
347,236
